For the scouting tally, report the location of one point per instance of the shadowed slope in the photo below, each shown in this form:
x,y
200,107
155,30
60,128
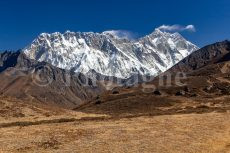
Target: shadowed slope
x,y
27,79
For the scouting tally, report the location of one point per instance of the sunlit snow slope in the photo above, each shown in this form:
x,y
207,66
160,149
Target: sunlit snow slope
x,y
110,55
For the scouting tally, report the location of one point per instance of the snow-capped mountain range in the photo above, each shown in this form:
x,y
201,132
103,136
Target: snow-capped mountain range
x,y
109,54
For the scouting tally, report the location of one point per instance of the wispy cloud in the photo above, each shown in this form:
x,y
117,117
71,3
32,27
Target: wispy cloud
x,y
176,27
123,34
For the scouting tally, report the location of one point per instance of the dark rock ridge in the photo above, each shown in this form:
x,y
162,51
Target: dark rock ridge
x,y
39,81
211,54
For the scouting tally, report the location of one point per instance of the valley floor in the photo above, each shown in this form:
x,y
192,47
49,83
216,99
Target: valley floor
x,y
191,133
29,127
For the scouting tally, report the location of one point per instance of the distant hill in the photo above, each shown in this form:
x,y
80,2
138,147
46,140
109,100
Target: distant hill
x,y
28,79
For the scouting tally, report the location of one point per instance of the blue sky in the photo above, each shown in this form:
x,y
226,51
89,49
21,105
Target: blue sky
x,y
23,20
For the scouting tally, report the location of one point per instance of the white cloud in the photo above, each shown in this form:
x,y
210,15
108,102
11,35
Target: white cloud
x,y
122,34
177,27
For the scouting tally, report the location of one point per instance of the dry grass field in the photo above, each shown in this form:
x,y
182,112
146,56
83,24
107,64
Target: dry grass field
x,y
191,133
29,127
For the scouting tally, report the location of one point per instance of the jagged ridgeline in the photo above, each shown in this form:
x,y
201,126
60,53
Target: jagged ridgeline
x,y
108,54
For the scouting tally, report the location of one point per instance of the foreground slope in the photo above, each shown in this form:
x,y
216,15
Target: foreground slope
x,y
32,127
171,133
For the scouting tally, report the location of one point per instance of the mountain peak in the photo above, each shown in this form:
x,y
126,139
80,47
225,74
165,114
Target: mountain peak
x,y
120,34
159,32
111,53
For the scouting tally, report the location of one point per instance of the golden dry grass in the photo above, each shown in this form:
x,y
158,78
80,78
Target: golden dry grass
x,y
194,133
41,128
